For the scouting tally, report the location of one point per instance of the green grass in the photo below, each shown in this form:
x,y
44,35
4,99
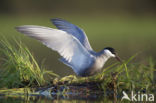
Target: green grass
x,y
141,77
19,68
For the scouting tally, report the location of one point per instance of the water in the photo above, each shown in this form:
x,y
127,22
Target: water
x,y
62,94
90,98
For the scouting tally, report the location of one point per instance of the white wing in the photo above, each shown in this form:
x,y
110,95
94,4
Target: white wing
x,y
66,45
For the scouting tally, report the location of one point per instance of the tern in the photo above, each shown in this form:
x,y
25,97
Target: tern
x,y
72,44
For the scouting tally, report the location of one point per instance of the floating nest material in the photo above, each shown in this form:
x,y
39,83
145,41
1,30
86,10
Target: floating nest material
x,y
71,87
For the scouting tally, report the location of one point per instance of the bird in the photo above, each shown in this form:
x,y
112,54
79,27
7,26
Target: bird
x,y
71,42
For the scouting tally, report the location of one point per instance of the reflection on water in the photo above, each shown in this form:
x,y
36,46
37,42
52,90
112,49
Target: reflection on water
x,y
60,97
56,99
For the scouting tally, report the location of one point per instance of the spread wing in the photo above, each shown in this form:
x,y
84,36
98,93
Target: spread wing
x,y
72,30
72,51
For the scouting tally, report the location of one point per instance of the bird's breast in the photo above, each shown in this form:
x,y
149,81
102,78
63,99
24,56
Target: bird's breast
x,y
99,62
97,66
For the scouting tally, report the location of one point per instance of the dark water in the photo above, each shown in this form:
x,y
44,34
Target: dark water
x,y
62,94
90,98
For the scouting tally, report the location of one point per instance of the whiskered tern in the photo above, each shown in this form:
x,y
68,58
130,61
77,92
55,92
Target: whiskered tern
x,y
72,44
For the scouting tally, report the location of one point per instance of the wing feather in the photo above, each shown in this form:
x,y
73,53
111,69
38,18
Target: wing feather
x,y
66,45
72,30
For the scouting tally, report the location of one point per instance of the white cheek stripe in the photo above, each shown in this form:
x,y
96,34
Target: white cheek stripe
x,y
108,53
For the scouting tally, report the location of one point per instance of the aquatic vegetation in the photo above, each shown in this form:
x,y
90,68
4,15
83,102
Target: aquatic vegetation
x,y
18,67
111,82
141,77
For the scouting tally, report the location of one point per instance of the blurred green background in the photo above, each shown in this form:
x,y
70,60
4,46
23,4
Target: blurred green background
x,y
129,26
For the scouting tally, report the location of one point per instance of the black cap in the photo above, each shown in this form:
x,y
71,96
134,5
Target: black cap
x,y
112,50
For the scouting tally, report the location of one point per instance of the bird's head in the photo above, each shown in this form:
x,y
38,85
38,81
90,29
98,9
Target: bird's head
x,y
110,52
